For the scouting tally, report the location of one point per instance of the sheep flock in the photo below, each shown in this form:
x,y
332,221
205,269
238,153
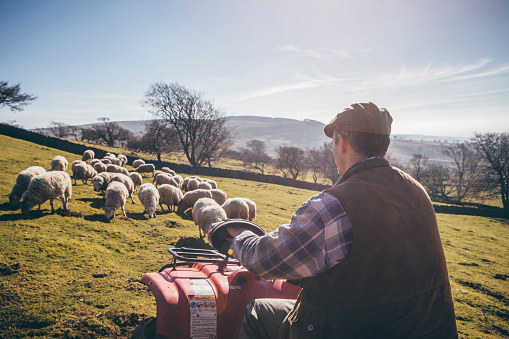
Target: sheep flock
x,y
110,178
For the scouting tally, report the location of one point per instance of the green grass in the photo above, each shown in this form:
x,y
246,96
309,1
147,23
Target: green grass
x,y
76,275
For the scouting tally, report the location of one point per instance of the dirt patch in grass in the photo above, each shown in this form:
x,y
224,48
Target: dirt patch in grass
x,y
172,224
67,213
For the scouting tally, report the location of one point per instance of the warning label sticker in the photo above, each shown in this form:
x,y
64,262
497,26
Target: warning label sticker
x,y
203,311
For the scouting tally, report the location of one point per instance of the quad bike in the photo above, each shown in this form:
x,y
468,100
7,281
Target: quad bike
x,y
203,293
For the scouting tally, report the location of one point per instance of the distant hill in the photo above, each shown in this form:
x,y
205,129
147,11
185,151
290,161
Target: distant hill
x,y
309,134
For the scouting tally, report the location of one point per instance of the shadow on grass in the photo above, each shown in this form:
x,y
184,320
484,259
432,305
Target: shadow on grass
x,y
34,214
94,202
6,206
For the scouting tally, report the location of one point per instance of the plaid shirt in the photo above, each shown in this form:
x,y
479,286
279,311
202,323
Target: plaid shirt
x,y
318,237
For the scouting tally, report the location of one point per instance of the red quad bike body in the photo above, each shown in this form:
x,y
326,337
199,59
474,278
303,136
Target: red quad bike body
x,y
203,295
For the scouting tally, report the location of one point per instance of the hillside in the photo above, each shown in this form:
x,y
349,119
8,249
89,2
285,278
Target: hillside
x,y
309,134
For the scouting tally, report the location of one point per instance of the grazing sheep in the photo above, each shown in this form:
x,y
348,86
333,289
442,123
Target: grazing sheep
x,y
59,163
95,161
192,185
101,180
127,181
84,172
236,208
100,167
106,161
146,168
149,197
156,173
114,160
190,199
47,186
136,178
75,162
211,182
207,211
123,160
116,196
138,162
218,195
252,208
165,178
117,169
170,196
168,170
186,181
88,155
179,180
204,185
22,182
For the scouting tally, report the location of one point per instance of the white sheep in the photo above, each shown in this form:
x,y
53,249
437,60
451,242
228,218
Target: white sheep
x,y
59,163
218,195
192,185
252,208
22,182
123,160
100,167
170,196
136,178
127,181
207,211
117,169
101,180
138,162
116,196
149,197
236,208
186,181
106,161
168,170
190,199
179,180
113,159
204,185
94,161
47,186
88,155
84,172
211,182
165,178
75,162
146,168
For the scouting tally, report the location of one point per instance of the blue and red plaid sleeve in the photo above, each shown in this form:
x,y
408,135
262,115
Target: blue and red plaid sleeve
x,y
318,237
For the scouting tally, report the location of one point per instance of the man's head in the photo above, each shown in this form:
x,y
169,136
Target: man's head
x,y
364,126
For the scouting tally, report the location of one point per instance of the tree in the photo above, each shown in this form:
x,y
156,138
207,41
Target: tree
x,y
59,129
11,97
313,161
110,132
254,156
159,138
494,149
329,168
201,128
435,179
418,166
290,161
466,177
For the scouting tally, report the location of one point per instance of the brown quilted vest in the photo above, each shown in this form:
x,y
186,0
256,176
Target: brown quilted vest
x,y
394,281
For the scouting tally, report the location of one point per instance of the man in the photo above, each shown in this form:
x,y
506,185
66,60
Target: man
x,y
367,250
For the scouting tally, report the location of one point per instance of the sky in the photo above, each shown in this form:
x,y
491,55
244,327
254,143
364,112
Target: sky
x,y
440,67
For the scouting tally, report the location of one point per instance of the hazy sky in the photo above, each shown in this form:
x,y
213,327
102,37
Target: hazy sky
x,y
440,67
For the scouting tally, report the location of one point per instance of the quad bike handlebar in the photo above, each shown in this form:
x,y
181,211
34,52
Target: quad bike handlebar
x,y
221,239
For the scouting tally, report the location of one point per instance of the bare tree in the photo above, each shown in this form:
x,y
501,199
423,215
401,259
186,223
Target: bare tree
x,y
201,128
494,149
59,129
159,138
330,170
73,130
467,176
418,166
110,132
290,161
435,179
88,134
254,156
313,161
12,97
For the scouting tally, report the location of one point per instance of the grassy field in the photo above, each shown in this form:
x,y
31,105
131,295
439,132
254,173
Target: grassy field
x,y
76,275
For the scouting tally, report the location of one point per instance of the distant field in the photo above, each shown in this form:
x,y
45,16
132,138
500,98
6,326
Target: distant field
x,y
77,275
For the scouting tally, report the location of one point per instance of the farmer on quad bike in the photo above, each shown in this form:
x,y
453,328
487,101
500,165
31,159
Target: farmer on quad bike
x,y
367,251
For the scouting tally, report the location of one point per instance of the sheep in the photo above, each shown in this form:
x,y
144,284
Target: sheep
x,y
138,162
94,161
127,181
117,169
106,161
113,159
136,178
88,155
116,196
190,199
192,185
75,162
207,211
211,182
84,172
179,180
146,168
149,197
59,163
168,170
236,208
165,178
186,181
47,186
156,173
170,196
252,208
101,180
204,185
123,160
218,195
22,182
100,167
